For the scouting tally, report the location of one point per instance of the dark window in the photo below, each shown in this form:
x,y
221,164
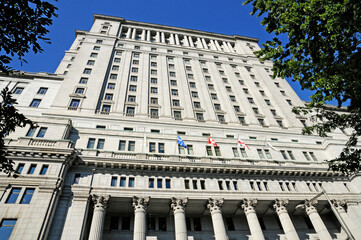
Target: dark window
x,y
188,224
83,80
203,186
131,146
159,183
151,183
162,224
44,169
131,182
113,183
152,147
29,192
186,184
32,169
13,196
41,132
114,223
106,109
197,224
161,147
108,96
111,85
230,225
261,222
122,182
35,103
126,223
42,90
151,223
91,143
167,183
74,103
130,111
18,90
31,132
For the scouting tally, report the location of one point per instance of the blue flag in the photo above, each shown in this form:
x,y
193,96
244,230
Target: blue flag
x,y
181,143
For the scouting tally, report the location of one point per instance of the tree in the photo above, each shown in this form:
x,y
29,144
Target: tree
x,y
10,118
322,53
23,23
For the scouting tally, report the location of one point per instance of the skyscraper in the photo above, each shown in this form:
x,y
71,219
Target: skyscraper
x,y
153,132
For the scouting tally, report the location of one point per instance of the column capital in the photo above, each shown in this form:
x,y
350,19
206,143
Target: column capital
x,y
179,204
140,202
309,205
100,201
215,204
339,204
280,205
249,205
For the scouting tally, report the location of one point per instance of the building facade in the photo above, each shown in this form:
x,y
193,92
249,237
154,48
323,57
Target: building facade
x,y
104,162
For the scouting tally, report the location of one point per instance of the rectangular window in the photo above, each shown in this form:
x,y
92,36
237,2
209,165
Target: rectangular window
x,y
42,91
6,228
83,80
209,151
132,88
174,92
291,155
154,100
117,60
44,169
284,154
235,152
87,71
90,62
121,146
195,94
114,223
190,149
131,98
161,147
217,151
106,109
29,192
151,183
134,78
20,168
131,146
108,96
131,182
130,111
260,153
167,184
199,116
41,132
31,132
91,143
235,186
35,103
186,184
313,156
13,196
268,154
113,182
115,67
126,223
152,147
32,169
243,152
175,102
159,183
122,182
203,186
194,183
154,90
100,144
18,90
154,113
111,86
177,115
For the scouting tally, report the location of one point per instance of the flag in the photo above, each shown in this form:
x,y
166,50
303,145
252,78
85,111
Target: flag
x,y
181,143
212,142
240,142
271,146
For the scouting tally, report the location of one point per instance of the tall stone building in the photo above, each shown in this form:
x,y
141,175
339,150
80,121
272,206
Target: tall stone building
x,y
106,160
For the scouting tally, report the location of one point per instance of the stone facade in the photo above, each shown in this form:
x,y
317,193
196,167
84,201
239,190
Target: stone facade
x,y
104,162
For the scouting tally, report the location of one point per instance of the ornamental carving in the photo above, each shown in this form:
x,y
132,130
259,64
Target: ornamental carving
x,y
249,205
179,203
100,201
215,204
140,203
280,204
340,205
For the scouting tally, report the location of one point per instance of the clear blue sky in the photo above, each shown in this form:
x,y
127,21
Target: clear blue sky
x,y
219,16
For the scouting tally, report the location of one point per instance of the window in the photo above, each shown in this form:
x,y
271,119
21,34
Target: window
x,y
197,104
261,121
177,115
229,89
190,76
233,98
171,66
122,182
79,90
35,103
172,74
106,109
235,152
28,194
32,168
13,196
121,146
208,78
151,183
42,91
131,182
192,84
313,156
280,123
117,60
87,71
217,106
289,102
135,62
76,178
152,147
214,96
241,120
136,55
250,100
41,132
268,102
31,132
18,90
131,98
153,64
154,100
96,48
132,88
161,147
113,76
195,94
174,92
303,122
255,110
91,143
90,62
241,82
100,144
108,96
268,154
173,82
130,111
135,70
237,109
154,113
131,146
99,41
260,153
137,47
291,155
111,86
199,116
154,90
83,80
115,67
221,118
6,228
44,169
20,168
94,55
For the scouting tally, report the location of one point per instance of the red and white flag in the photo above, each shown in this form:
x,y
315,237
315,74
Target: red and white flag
x,y
212,142
240,142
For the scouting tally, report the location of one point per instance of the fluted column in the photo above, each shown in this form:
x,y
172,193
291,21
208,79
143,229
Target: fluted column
x,y
204,43
217,45
129,33
287,225
134,33
157,37
199,43
213,45
191,41
316,220
249,208
178,205
185,41
140,209
171,39
162,37
340,207
225,47
176,39
97,225
230,47
215,207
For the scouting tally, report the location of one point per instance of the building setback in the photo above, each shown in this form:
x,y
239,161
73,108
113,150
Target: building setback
x,y
104,162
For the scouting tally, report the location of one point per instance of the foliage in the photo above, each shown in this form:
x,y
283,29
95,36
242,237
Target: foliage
x,y
23,23
10,118
322,53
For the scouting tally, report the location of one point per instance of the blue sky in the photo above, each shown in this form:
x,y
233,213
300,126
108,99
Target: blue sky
x,y
219,16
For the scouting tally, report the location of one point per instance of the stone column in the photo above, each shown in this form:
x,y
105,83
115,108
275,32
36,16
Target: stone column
x,y
340,207
204,43
213,45
199,43
162,37
129,33
97,226
249,208
157,37
143,35
148,36
134,33
217,45
230,47
316,220
287,225
191,41
171,39
185,41
140,209
215,207
178,205
225,47
176,39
